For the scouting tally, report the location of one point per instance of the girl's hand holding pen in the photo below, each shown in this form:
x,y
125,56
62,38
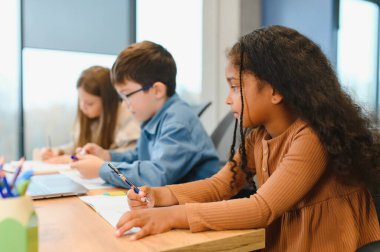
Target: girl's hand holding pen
x,y
62,159
95,150
48,153
143,199
87,165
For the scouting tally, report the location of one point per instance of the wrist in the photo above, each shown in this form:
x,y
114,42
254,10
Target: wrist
x,y
179,217
164,197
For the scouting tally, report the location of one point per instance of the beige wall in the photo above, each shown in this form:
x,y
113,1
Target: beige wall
x,y
224,21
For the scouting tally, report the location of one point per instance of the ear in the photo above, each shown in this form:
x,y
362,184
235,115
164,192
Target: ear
x,y
276,97
159,90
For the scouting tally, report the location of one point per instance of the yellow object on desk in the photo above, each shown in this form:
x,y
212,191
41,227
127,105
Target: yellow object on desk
x,y
115,193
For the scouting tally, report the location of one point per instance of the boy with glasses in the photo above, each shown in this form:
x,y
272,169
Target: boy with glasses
x,y
173,145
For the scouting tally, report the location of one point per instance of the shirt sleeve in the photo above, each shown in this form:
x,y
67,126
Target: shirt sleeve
x,y
296,174
173,157
128,156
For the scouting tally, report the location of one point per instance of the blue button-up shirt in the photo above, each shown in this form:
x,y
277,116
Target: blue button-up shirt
x,y
173,148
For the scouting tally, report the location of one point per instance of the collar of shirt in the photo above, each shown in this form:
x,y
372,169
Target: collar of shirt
x,y
151,125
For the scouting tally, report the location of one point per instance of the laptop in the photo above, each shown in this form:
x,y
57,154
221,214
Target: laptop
x,y
53,186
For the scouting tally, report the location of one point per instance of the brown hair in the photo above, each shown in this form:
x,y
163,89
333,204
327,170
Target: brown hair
x,y
145,63
96,81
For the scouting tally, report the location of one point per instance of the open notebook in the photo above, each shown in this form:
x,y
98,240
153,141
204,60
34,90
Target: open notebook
x,y
111,208
51,186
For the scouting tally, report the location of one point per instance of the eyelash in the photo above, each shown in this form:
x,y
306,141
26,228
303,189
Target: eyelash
x,y
235,89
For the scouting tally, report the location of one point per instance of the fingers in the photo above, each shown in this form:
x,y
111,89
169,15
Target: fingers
x,y
142,233
63,159
127,221
139,201
134,200
90,148
47,153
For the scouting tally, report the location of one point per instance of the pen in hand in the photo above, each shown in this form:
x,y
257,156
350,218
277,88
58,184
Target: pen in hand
x,y
82,153
135,189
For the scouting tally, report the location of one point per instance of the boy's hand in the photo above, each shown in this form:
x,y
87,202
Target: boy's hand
x,y
152,221
88,166
139,201
95,150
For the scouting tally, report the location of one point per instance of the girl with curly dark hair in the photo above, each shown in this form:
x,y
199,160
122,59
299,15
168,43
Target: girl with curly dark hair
x,y
315,154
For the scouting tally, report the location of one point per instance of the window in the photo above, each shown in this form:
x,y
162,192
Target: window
x,y
358,42
61,39
9,79
180,32
50,95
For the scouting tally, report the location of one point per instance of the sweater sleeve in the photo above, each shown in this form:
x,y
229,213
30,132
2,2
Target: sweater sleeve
x,y
295,175
216,188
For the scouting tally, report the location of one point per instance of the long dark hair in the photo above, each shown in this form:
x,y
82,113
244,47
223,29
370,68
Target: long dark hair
x,y
297,68
96,80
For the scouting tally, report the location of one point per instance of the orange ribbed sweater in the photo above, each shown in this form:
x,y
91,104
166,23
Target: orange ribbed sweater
x,y
300,203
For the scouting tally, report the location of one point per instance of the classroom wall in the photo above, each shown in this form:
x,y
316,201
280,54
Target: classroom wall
x,y
314,18
224,21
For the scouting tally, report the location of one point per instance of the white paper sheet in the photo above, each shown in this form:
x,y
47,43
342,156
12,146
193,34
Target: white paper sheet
x,y
111,208
90,184
36,166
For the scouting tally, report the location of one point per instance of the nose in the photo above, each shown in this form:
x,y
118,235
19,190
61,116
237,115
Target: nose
x,y
228,100
82,107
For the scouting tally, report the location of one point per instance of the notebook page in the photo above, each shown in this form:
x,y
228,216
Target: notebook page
x,y
111,208
90,184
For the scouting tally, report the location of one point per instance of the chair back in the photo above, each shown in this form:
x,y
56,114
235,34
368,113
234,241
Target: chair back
x,y
222,137
370,247
200,108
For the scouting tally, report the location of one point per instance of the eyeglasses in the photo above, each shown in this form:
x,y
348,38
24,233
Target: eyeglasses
x,y
125,97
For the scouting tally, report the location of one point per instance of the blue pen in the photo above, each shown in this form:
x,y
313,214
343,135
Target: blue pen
x,y
1,184
82,152
135,189
18,171
1,191
7,188
8,192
